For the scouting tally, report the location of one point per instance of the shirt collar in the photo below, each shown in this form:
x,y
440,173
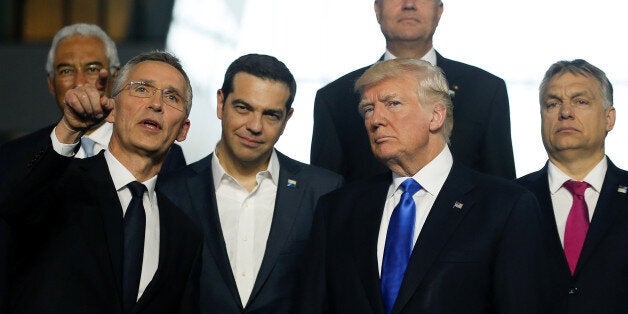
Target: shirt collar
x,y
218,172
433,175
430,56
102,135
121,176
595,177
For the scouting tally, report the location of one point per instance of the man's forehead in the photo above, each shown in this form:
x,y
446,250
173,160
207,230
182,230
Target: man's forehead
x,y
154,73
573,83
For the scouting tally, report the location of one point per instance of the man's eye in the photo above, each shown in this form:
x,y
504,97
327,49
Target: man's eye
x,y
394,103
581,102
551,105
66,71
172,97
141,89
93,69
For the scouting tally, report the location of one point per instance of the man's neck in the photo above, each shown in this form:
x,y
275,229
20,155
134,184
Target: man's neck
x,y
407,49
245,173
142,167
576,165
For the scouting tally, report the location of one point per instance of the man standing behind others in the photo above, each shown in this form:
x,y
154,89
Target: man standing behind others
x,y
429,236
481,137
94,235
254,204
583,195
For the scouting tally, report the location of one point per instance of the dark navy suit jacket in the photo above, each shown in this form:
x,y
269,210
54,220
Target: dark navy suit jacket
x,y
479,250
600,281
299,188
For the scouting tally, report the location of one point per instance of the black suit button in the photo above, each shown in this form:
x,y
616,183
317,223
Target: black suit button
x,y
573,291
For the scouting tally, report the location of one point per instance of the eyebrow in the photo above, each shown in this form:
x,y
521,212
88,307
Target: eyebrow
x,y
65,64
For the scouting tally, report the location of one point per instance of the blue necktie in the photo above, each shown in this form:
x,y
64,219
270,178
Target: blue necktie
x,y
134,227
399,246
88,146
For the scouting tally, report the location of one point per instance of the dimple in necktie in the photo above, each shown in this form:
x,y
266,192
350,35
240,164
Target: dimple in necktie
x,y
577,223
88,146
398,248
134,227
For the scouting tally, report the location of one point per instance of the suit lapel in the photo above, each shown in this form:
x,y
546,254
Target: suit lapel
x,y
609,205
203,196
540,188
369,207
287,207
107,213
441,223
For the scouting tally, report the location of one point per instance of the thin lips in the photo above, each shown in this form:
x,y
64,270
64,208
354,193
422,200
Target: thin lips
x,y
566,129
250,139
152,122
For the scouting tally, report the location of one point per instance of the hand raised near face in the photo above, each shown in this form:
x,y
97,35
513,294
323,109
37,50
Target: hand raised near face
x,y
85,107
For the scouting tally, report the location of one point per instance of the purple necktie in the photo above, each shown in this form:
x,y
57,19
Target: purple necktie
x,y
577,223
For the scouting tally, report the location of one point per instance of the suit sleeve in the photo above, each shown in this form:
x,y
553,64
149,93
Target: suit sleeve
x,y
497,144
326,151
519,265
27,197
312,291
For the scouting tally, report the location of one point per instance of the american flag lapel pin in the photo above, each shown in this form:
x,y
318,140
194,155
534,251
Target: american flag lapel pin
x,y
458,205
291,183
622,189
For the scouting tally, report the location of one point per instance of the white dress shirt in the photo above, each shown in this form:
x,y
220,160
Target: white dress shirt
x,y
562,198
121,177
430,56
431,178
245,219
100,136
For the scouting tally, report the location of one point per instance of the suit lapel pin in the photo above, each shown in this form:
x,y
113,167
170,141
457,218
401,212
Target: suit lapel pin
x,y
458,205
292,183
622,189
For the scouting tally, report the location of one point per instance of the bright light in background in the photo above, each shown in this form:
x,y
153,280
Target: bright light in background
x,y
322,40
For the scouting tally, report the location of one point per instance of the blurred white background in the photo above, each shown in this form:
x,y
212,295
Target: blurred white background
x,y
322,40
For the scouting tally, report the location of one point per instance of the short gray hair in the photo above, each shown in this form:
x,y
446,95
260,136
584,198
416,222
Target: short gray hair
x,y
89,30
160,56
578,67
432,87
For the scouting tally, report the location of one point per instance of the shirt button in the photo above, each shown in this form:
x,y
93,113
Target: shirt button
x,y
573,291
243,274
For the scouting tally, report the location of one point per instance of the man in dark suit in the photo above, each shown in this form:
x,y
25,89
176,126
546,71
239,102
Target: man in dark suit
x,y
582,193
93,235
254,204
481,136
79,54
432,236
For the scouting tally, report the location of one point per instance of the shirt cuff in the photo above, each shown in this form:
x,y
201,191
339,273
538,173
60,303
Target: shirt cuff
x,y
61,148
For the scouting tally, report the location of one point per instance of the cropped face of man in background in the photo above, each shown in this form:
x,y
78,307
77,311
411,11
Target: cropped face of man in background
x,y
79,60
408,20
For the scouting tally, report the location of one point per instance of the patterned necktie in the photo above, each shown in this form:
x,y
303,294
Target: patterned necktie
x,y
88,146
399,238
134,227
577,223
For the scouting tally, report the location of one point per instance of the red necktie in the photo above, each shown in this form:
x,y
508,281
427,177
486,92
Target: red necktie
x,y
577,223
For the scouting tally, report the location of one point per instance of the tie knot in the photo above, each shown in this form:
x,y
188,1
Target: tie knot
x,y
410,186
88,146
137,189
576,187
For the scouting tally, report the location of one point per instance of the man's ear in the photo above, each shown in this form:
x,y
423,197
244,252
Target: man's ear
x,y
377,11
439,114
183,131
111,117
220,103
51,85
